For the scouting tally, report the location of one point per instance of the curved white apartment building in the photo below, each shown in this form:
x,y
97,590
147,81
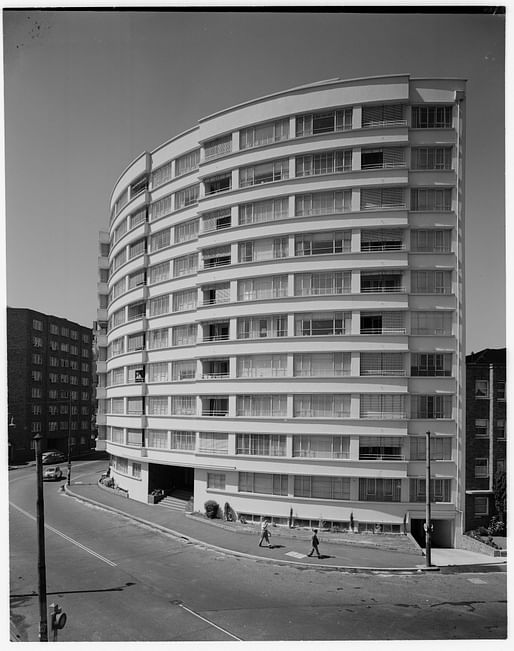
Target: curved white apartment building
x,y
281,308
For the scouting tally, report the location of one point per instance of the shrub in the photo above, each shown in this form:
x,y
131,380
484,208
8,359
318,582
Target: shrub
x,y
496,526
211,509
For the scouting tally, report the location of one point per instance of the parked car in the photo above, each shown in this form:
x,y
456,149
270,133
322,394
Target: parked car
x,y
52,473
52,456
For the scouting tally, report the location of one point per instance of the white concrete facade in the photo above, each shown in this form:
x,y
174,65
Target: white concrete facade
x,y
285,311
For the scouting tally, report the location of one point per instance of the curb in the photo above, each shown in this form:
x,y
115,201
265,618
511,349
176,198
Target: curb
x,y
339,568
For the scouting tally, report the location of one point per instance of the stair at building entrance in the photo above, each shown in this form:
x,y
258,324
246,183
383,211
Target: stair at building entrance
x,y
176,502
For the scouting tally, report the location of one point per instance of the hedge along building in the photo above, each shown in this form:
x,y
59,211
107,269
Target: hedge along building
x,y
284,319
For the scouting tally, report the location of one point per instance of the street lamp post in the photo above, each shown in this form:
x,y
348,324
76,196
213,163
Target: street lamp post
x,y
41,563
68,480
428,520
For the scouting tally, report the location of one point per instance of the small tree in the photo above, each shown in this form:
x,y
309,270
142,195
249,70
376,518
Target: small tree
x,y
500,495
211,509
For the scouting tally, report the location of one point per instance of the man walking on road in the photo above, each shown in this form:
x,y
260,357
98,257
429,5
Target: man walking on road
x,y
264,533
315,543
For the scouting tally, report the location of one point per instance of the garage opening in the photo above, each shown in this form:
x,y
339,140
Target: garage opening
x,y
177,481
441,534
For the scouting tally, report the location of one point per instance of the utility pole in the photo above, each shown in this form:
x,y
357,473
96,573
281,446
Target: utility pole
x,y
428,520
41,564
68,480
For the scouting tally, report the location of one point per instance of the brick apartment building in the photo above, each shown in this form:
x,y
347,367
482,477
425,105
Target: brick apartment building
x,y
50,377
485,432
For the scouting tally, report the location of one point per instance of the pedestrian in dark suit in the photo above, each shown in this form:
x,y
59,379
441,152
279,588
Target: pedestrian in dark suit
x,y
314,543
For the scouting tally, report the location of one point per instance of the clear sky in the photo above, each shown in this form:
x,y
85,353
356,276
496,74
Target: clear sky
x,y
87,91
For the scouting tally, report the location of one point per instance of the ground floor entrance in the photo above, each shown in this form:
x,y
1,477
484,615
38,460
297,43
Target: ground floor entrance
x,y
171,479
442,533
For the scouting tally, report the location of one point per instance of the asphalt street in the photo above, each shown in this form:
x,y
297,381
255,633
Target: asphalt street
x,y
119,580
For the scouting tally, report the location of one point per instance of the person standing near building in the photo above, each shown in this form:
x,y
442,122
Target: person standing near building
x,y
265,534
315,543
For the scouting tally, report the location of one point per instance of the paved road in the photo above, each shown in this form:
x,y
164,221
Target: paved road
x,y
120,581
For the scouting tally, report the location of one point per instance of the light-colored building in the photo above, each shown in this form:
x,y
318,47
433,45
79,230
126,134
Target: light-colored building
x,y
284,319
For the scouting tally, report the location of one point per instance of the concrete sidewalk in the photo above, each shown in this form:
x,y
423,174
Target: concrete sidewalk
x,y
288,546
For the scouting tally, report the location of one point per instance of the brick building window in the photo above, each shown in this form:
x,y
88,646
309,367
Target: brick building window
x,y
481,388
481,505
481,468
481,428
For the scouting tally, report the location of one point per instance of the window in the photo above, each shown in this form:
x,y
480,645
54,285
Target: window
x,y
117,435
431,323
138,248
117,406
185,300
187,163
480,505
262,405
381,240
161,207
159,305
183,405
500,429
218,147
481,428
440,448
431,199
264,211
431,364
214,405
136,342
54,329
262,326
380,490
323,243
137,279
323,203
481,468
138,218
321,364
117,289
117,376
386,115
36,410
321,405
382,198
326,122
134,437
431,241
213,443
36,392
120,230
160,240
37,324
323,323
432,117
186,231
321,447
254,289
216,257
264,249
161,175
263,445
37,342
431,158
121,201
158,338
187,196
216,480
322,283
157,372
216,331
185,265
431,282
183,441
328,488
262,366
431,406
159,273
216,220
382,283
264,134
119,259
382,364
136,470
481,388
185,335
384,158
218,183
37,358
264,483
136,311
382,406
138,186
155,438
183,370
213,294
328,162
215,368
157,405
135,406
500,391
380,448
264,173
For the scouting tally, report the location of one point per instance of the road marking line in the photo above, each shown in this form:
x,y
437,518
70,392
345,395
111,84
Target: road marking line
x,y
63,535
477,581
209,622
